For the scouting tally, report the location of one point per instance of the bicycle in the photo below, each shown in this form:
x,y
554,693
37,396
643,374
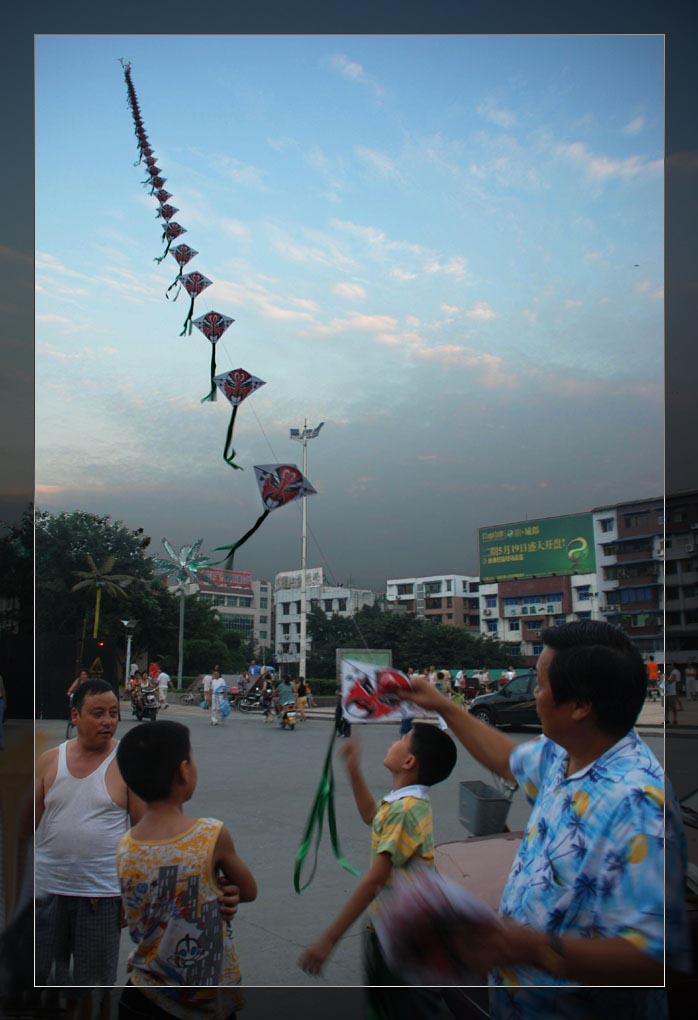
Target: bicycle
x,y
186,698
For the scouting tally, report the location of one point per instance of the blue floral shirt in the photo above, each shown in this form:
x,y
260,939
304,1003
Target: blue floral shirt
x,y
591,863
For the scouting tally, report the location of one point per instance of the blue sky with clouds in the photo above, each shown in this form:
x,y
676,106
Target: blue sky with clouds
x,y
450,249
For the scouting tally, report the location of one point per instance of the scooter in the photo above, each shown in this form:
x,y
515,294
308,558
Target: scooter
x,y
145,704
288,717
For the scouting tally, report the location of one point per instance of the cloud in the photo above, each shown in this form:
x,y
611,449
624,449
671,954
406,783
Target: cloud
x,y
450,309
269,304
481,310
353,71
651,290
281,144
325,251
241,173
496,114
600,167
383,165
234,228
50,317
352,291
402,274
635,126
573,303
357,321
490,367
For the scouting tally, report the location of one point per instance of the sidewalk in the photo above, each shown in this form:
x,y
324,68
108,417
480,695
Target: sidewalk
x,y
651,716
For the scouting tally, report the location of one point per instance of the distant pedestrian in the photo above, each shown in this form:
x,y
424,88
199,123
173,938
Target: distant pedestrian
x,y
301,697
675,675
670,696
691,681
163,683
652,679
218,693
207,681
309,695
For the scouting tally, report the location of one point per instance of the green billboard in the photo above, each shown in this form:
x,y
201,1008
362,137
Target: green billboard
x,y
551,545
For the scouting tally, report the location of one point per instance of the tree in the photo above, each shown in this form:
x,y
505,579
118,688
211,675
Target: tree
x,y
102,579
413,642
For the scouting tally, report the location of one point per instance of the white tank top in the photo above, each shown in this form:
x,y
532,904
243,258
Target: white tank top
x,y
78,834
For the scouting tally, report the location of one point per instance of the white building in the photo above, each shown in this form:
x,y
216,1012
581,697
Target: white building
x,y
243,604
452,599
287,607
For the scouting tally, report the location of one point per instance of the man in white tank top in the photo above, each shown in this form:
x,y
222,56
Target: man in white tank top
x,y
83,808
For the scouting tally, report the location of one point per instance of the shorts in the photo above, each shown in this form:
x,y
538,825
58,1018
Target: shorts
x,y
82,928
302,702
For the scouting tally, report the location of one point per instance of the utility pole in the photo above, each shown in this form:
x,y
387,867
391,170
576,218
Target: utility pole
x,y
303,436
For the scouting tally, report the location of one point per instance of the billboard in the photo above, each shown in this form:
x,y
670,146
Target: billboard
x,y
226,578
294,579
550,545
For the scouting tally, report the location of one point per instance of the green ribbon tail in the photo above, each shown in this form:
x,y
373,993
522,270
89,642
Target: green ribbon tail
x,y
232,548
324,800
228,451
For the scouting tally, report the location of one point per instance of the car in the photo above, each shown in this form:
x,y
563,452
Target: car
x,y
512,705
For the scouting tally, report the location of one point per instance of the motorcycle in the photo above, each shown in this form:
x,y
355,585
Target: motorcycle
x,y
145,704
288,716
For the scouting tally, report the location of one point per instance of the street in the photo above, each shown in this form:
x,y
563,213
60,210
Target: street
x,y
261,782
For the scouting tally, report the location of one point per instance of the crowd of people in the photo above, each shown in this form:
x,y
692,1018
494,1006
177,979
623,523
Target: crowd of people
x,y
583,906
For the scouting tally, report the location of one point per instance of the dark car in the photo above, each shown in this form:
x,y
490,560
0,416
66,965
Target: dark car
x,y
512,705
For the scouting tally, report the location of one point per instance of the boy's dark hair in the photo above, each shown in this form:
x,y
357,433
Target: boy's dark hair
x,y
597,663
90,687
149,755
435,752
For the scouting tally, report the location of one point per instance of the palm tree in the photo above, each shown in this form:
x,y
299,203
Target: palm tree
x,y
183,566
102,579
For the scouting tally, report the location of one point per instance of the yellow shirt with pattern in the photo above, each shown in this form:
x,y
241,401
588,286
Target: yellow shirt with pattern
x,y
170,898
403,827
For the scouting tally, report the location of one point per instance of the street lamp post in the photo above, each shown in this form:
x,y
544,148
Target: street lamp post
x,y
303,436
130,626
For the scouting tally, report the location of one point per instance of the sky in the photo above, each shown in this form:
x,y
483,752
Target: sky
x,y
448,249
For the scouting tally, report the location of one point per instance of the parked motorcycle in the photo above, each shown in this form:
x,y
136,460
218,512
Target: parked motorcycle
x,y
249,702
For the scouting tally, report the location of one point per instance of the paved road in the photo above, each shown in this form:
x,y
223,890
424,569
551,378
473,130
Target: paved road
x,y
261,781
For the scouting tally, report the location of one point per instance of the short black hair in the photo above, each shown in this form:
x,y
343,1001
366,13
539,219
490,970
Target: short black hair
x,y
435,752
149,755
597,663
90,687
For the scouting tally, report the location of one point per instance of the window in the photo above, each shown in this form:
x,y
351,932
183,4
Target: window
x,y
514,625
491,626
263,635
559,620
584,593
586,615
404,589
534,624
538,649
342,605
606,523
640,594
263,603
328,605
263,619
691,616
473,586
449,585
432,588
679,515
231,600
636,520
240,624
512,600
491,601
673,619
449,602
285,629
690,591
449,616
514,649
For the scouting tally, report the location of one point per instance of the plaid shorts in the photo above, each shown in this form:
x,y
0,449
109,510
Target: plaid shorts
x,y
82,928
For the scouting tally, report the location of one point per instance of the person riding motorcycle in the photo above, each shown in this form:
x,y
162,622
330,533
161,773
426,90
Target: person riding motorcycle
x,y
284,697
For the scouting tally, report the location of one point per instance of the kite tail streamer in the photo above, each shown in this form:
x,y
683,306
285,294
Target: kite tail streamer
x,y
232,548
186,325
173,284
324,799
228,451
159,258
211,395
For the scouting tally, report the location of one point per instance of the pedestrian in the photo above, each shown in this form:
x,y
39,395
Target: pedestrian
x,y
83,808
163,682
401,836
301,697
3,709
584,901
652,678
169,866
267,702
342,726
218,693
206,684
309,695
441,686
678,681
670,697
691,674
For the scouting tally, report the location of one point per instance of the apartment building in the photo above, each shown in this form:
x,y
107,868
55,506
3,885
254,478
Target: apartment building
x,y
452,599
243,603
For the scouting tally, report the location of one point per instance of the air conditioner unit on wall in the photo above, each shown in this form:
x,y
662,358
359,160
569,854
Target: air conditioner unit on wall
x,y
689,547
487,612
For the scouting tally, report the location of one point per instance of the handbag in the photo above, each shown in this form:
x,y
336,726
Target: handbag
x,y
225,708
203,704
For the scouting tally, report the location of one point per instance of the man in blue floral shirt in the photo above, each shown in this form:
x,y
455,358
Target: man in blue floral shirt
x,y
584,901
